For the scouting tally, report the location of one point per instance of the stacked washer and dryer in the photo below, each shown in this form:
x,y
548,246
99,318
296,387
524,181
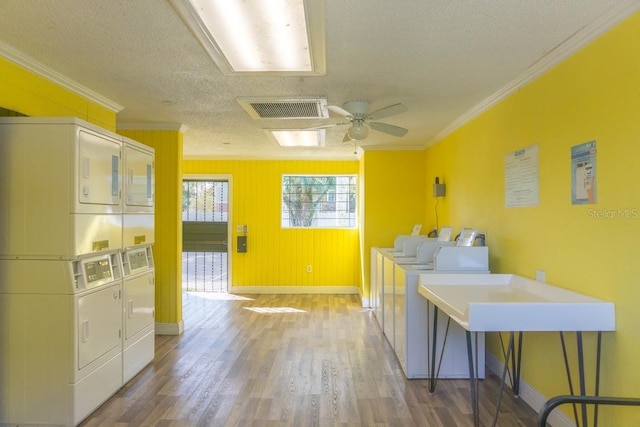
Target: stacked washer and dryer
x,y
76,267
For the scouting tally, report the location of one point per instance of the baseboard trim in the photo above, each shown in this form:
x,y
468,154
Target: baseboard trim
x,y
294,290
170,328
530,395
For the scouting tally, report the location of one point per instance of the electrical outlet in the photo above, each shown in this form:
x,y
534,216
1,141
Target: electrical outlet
x,y
541,276
309,269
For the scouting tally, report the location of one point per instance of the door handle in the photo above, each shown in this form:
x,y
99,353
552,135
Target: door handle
x,y
85,331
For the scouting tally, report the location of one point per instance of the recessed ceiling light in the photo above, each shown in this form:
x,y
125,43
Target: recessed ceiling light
x,y
299,138
257,36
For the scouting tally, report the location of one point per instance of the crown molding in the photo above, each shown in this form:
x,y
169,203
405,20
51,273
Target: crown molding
x,y
19,58
391,147
561,52
151,126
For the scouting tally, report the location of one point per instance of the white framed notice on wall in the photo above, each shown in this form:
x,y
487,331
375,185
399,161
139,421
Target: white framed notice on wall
x,y
521,178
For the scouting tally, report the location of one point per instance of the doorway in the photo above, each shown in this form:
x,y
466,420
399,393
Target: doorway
x,y
205,235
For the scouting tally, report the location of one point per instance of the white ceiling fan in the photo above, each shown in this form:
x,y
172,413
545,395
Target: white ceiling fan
x,y
361,119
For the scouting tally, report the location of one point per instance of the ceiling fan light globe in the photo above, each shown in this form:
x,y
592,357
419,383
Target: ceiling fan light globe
x,y
358,131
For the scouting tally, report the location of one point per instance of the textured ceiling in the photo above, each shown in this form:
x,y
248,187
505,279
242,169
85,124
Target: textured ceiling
x,y
442,59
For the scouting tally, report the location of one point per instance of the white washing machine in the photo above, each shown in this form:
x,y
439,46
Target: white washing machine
x,y
406,314
412,335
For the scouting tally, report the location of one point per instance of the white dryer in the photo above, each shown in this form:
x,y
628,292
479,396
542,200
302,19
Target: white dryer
x,y
139,310
61,335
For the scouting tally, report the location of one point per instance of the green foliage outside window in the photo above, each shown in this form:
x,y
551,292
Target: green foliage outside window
x,y
318,201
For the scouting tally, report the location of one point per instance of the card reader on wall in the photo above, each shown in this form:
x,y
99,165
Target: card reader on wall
x,y
242,244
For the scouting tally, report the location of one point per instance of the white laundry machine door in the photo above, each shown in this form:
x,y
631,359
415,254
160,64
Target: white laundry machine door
x,y
98,349
99,172
99,324
139,173
139,303
139,323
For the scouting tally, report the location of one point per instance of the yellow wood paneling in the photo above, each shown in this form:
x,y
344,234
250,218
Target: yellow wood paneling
x,y
167,249
276,256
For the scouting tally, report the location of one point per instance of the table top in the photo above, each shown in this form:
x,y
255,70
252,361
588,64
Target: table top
x,y
508,302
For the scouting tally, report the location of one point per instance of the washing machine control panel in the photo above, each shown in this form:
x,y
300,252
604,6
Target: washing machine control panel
x,y
138,259
98,270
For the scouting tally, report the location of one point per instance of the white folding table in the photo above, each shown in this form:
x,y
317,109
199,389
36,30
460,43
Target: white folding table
x,y
515,304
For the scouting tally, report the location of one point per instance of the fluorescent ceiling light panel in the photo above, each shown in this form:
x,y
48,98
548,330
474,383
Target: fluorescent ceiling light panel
x,y
299,138
252,36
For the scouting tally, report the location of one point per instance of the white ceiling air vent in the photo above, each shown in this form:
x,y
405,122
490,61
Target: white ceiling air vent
x,y
285,108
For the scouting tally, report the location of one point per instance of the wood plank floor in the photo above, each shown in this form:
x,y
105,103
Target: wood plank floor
x,y
289,360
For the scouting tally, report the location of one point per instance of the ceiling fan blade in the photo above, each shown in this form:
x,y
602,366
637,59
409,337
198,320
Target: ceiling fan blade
x,y
346,138
339,110
389,111
320,127
330,125
387,128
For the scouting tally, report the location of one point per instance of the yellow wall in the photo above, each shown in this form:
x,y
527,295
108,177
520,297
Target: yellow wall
x,y
167,249
276,256
594,95
32,95
394,199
